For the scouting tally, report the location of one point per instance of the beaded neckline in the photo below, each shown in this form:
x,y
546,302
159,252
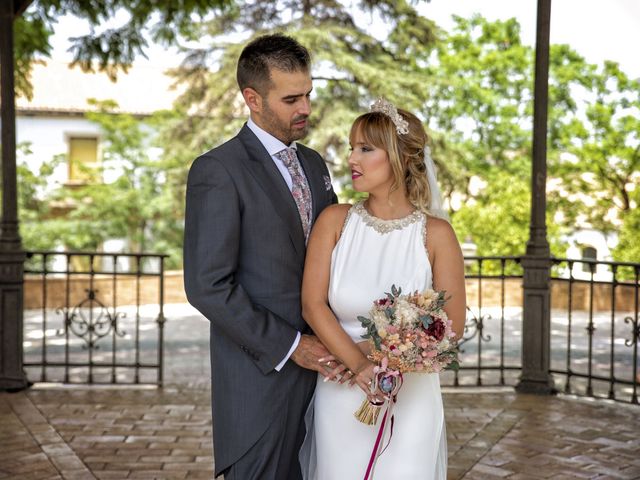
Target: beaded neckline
x,y
386,226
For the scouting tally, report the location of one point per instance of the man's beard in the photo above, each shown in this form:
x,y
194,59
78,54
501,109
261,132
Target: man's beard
x,y
282,130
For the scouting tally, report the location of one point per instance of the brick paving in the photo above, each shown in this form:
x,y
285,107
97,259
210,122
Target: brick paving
x,y
52,432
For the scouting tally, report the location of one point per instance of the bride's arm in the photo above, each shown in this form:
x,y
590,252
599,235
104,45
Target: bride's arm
x,y
447,264
315,302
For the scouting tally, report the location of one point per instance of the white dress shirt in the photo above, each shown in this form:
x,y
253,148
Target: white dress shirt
x,y
273,146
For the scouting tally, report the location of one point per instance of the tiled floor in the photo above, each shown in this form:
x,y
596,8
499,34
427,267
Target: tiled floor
x,y
54,432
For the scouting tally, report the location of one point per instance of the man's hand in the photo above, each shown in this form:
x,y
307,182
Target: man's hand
x,y
308,353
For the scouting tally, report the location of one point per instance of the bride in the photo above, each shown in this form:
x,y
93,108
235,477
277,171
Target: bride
x,y
355,254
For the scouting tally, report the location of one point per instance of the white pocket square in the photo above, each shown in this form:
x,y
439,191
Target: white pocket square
x,y
327,182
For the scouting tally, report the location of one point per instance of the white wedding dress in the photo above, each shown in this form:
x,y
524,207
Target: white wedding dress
x,y
370,256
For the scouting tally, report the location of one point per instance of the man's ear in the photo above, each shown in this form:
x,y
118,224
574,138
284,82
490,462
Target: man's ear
x,y
253,99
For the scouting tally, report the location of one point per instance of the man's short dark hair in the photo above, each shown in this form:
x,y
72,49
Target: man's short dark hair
x,y
266,52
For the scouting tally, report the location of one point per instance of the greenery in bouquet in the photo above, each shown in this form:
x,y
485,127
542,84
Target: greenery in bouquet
x,y
412,331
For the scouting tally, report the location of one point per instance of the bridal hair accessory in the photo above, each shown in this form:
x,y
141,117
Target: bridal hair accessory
x,y
436,204
383,106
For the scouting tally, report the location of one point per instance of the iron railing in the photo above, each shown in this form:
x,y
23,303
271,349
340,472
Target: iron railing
x,y
596,354
94,317
595,326
490,350
109,326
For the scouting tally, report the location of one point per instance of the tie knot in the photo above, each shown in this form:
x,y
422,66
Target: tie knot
x,y
288,156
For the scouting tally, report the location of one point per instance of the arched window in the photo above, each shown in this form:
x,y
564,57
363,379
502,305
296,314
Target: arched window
x,y
589,253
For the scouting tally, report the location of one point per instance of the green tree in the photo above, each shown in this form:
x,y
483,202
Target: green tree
x,y
105,49
38,227
601,169
628,248
497,219
128,199
352,66
472,87
130,202
481,98
480,111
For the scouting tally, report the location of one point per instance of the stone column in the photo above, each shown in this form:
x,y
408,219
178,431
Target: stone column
x,y
12,376
536,377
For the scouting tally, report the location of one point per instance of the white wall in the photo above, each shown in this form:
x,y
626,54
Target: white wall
x,y
603,245
49,137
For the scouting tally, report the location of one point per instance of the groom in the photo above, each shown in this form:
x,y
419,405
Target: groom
x,y
250,205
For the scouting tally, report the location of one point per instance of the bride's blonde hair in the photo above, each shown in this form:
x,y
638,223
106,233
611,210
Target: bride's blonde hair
x,y
405,152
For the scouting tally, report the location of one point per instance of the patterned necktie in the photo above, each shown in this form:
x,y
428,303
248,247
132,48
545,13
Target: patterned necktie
x,y
300,187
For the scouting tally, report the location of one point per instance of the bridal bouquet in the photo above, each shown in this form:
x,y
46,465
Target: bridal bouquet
x,y
408,333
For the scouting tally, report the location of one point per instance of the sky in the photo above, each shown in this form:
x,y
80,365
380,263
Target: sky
x,y
597,29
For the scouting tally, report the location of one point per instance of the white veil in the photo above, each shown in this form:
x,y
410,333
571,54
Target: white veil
x,y
436,206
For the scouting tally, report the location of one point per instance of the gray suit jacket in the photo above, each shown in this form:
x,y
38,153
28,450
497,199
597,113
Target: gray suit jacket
x,y
244,252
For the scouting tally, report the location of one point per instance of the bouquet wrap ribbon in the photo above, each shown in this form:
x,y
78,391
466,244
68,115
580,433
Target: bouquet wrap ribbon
x,y
389,382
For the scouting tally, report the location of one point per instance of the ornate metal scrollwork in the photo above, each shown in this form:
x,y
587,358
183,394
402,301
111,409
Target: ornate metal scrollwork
x,y
635,331
91,320
474,329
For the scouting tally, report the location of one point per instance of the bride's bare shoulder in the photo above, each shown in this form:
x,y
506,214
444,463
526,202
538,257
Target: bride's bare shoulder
x,y
335,213
440,232
333,217
437,223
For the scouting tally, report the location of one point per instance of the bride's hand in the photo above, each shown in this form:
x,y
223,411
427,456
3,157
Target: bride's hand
x,y
364,379
336,370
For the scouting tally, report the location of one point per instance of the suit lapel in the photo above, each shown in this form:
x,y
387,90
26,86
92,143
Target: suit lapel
x,y
264,170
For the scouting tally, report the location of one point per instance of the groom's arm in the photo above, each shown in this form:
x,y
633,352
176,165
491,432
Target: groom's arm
x,y
211,250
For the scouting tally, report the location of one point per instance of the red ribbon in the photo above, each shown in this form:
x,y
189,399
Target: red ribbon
x,y
374,453
388,414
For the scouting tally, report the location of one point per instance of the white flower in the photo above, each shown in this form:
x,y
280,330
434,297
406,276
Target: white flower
x,y
426,298
379,319
405,313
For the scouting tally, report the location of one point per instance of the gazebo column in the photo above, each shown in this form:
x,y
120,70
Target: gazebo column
x,y
12,376
536,327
